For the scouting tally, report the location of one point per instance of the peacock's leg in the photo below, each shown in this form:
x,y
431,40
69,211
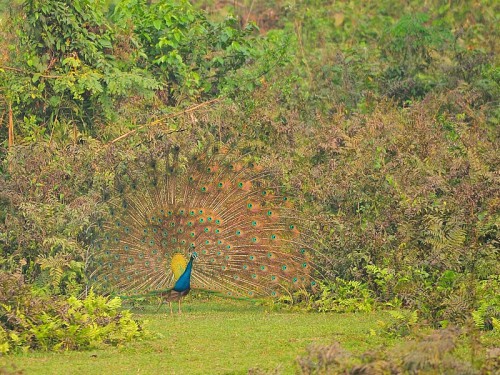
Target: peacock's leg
x,y
171,311
161,303
180,312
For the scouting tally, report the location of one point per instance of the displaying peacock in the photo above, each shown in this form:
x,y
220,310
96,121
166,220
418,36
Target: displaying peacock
x,y
221,224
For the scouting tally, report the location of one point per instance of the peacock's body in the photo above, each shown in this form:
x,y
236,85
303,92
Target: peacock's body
x,y
227,212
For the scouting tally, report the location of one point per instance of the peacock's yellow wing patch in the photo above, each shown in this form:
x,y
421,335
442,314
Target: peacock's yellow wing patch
x,y
178,265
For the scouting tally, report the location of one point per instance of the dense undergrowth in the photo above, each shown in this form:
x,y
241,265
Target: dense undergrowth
x,y
381,119
431,354
32,320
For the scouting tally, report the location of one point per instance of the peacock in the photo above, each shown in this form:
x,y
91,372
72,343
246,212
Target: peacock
x,y
215,221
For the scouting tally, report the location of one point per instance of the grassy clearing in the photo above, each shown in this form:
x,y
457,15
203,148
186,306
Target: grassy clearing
x,y
216,337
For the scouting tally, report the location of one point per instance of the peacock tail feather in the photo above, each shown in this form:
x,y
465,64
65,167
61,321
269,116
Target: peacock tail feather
x,y
227,209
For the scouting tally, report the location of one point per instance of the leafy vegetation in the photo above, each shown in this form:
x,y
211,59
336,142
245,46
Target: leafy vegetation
x,y
31,321
381,119
430,354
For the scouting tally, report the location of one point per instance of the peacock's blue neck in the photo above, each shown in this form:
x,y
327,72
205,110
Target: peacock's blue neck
x,y
184,282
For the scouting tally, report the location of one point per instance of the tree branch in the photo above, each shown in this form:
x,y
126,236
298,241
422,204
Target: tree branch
x,y
169,116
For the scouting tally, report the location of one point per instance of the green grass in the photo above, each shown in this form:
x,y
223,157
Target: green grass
x,y
214,337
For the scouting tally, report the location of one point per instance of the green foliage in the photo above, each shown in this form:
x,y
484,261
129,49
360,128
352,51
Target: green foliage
x,y
192,54
49,203
402,323
385,283
336,295
412,47
344,296
67,75
487,314
31,321
81,64
60,28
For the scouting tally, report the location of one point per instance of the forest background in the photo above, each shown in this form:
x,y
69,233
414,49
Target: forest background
x,y
381,118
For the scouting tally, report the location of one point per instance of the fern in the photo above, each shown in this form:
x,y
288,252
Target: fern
x,y
478,317
401,324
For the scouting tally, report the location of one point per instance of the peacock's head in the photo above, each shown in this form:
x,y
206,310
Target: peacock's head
x,y
194,255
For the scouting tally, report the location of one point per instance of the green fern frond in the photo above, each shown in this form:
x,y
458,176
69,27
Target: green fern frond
x,y
478,319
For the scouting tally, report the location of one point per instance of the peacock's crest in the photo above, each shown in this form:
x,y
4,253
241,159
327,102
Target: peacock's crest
x,y
229,209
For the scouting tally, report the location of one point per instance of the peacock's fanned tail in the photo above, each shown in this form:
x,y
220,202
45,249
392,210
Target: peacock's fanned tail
x,y
229,211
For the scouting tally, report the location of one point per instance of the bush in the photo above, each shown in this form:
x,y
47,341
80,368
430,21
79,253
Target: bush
x,y
432,354
35,321
344,296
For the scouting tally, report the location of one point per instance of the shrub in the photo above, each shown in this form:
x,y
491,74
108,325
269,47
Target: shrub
x,y
432,354
29,320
